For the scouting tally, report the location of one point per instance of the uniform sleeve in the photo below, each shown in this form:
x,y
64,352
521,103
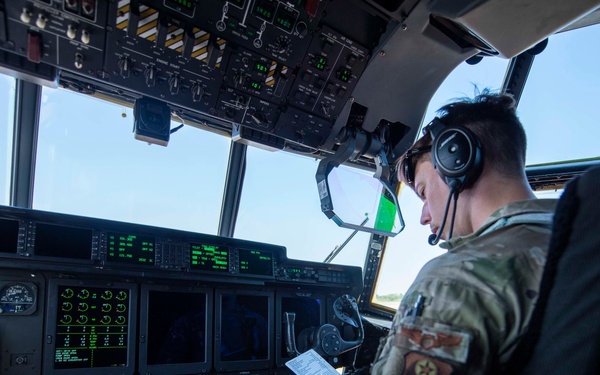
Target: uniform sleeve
x,y
451,331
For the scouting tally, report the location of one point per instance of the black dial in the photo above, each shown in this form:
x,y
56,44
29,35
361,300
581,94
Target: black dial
x,y
17,298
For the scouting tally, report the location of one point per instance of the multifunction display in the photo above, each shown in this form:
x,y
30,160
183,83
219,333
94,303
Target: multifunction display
x,y
256,262
63,241
92,327
130,248
209,257
9,232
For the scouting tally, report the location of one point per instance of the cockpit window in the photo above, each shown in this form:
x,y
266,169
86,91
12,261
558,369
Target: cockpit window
x,y
280,205
406,253
89,163
7,104
558,106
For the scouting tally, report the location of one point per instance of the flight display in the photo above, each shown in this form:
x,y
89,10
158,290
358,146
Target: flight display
x,y
209,257
92,327
130,248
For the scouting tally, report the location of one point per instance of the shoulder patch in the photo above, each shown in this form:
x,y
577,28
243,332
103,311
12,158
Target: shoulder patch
x,y
420,364
435,340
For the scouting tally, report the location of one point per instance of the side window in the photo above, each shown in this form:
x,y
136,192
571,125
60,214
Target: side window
x,y
405,254
7,112
559,103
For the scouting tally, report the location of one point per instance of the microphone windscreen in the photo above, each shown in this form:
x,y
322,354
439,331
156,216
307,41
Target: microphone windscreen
x,y
433,239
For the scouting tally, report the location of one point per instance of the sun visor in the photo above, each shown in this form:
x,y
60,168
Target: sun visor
x,y
506,27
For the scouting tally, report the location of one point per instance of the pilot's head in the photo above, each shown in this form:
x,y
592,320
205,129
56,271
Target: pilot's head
x,y
471,140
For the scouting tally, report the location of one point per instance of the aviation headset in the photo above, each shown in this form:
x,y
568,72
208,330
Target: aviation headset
x,y
455,153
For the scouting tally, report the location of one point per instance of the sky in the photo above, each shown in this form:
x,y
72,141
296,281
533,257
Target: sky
x,y
88,163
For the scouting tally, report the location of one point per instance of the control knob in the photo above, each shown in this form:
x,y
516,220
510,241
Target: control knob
x,y
78,60
85,37
197,92
302,28
71,31
26,15
174,84
150,74
41,21
259,117
282,44
124,67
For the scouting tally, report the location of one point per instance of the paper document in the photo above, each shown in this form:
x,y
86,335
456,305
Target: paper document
x,y
310,363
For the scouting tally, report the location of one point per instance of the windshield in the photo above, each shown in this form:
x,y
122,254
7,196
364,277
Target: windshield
x,y
280,204
88,163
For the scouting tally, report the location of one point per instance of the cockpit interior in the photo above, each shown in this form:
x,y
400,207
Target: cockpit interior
x,y
345,84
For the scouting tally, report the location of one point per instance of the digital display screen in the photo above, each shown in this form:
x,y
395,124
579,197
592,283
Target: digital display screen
x,y
286,18
308,320
130,248
9,235
244,327
256,262
344,74
260,67
320,63
64,242
256,85
177,327
92,327
209,257
265,9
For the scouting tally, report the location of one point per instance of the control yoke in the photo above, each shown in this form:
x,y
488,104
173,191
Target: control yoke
x,y
327,340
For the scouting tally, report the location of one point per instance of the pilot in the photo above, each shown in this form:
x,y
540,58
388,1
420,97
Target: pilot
x,y
468,309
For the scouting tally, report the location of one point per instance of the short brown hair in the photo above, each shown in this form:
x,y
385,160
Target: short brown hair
x,y
494,121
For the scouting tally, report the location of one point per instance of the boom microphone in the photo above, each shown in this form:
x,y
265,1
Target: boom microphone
x,y
435,238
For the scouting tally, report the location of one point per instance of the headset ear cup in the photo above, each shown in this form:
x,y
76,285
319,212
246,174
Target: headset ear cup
x,y
456,154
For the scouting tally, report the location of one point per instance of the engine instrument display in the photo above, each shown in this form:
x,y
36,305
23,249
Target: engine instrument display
x,y
92,327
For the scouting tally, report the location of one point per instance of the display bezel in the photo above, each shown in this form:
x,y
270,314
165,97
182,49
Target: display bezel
x,y
243,365
144,339
281,355
52,324
67,241
9,236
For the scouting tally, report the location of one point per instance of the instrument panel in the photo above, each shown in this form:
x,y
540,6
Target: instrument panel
x,y
72,241
284,69
80,295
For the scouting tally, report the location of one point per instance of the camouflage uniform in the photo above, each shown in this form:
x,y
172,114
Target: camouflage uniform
x,y
467,309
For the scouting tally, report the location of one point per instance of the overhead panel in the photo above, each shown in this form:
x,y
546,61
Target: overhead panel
x,y
282,68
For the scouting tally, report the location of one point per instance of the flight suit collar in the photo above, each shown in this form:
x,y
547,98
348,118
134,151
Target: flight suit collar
x,y
533,211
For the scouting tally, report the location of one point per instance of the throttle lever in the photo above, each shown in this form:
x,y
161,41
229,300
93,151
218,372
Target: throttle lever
x,y
290,337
